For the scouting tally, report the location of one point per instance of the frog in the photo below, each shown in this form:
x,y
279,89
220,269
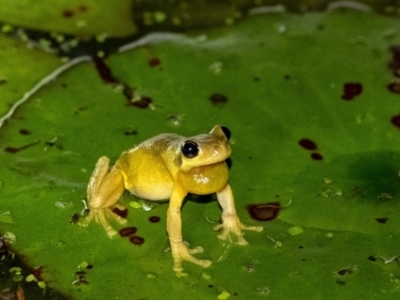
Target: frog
x,y
169,166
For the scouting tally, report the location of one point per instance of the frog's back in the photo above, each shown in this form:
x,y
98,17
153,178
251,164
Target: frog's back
x,y
147,168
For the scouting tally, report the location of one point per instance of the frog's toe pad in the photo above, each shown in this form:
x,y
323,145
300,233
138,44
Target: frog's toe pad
x,y
252,228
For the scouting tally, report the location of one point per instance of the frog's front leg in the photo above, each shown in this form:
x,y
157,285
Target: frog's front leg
x,y
103,191
230,219
180,251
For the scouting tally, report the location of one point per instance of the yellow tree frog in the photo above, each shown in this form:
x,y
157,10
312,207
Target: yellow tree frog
x,y
169,166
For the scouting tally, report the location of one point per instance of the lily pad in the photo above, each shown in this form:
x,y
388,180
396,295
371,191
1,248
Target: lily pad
x,y
314,116
71,17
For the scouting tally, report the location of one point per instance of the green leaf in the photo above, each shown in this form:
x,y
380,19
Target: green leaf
x,y
277,81
71,17
15,76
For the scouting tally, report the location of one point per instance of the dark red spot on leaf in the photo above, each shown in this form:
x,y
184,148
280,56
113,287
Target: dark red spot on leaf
x,y
143,102
351,90
396,121
394,87
74,218
103,70
127,231
131,132
316,156
394,64
24,132
308,144
68,13
82,8
382,220
264,211
154,62
16,150
345,271
128,92
218,98
123,213
154,219
137,240
37,272
340,282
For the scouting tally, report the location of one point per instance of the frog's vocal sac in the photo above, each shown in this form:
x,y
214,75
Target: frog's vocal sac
x,y
169,166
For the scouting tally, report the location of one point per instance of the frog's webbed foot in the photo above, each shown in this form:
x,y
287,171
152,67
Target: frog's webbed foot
x,y
102,215
231,223
181,252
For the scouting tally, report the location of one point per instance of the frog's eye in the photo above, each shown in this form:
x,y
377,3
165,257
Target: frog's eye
x,y
227,132
190,149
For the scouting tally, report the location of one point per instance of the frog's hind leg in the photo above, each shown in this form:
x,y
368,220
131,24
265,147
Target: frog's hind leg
x,y
100,171
105,188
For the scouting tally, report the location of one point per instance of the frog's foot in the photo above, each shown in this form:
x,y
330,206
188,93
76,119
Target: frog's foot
x,y
181,252
231,223
102,215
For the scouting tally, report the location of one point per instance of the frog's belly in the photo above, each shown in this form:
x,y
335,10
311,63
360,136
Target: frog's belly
x,y
145,175
152,190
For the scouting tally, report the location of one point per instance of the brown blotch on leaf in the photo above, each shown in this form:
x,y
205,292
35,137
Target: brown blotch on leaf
x,y
103,70
154,219
308,144
37,272
127,231
382,220
82,8
340,282
394,87
351,90
396,121
316,156
74,218
345,271
264,211
68,13
16,150
130,132
24,132
123,213
218,98
154,62
137,240
394,64
143,102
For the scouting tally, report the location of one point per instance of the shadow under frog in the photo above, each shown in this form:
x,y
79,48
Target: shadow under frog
x,y
169,166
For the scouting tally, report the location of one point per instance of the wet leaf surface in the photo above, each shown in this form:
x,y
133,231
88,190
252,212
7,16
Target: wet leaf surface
x,y
314,134
71,17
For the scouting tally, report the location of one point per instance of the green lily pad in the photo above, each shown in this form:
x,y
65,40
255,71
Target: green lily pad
x,y
313,110
15,78
71,17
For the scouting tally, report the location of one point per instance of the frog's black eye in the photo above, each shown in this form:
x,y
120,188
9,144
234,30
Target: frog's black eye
x,y
190,149
227,132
